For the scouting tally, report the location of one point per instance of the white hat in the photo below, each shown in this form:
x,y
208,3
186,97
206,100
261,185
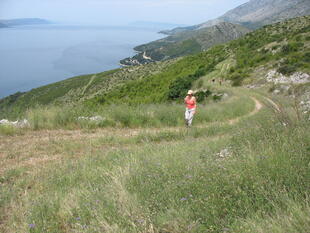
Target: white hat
x,y
190,92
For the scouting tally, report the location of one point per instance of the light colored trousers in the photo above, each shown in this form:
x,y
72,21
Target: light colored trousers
x,y
189,116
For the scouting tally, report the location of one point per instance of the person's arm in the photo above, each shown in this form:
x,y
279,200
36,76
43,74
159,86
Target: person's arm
x,y
195,101
185,99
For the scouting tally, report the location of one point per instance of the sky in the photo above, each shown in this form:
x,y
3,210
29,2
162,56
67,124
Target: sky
x,y
118,12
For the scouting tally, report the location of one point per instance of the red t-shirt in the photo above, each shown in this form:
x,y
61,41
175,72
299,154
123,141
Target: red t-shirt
x,y
190,104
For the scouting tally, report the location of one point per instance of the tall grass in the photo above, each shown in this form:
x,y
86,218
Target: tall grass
x,y
9,130
155,115
177,186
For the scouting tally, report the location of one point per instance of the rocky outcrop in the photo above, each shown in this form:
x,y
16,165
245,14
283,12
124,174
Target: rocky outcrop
x,y
296,78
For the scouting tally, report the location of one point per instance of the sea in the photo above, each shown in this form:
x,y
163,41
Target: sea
x,y
32,56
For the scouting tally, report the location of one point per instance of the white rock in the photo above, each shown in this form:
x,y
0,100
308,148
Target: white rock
x,y
97,118
94,118
224,153
18,123
295,78
4,122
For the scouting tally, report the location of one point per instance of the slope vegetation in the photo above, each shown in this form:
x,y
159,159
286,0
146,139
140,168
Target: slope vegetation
x,y
185,43
163,179
235,23
243,166
283,46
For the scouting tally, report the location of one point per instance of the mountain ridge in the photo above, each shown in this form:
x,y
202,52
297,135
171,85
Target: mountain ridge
x,y
185,43
255,13
251,15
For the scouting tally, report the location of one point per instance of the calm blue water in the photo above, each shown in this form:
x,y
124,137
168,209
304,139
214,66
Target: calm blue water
x,y
33,56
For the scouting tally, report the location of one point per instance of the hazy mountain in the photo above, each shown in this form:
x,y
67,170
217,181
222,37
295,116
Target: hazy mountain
x,y
256,13
184,43
24,21
192,39
3,25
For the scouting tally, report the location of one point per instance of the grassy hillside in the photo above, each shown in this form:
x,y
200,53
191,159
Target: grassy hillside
x,y
245,173
75,90
283,46
242,167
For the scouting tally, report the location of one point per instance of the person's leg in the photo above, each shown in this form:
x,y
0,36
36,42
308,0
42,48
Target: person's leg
x,y
191,116
186,117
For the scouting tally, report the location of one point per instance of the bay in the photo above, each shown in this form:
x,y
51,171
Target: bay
x,y
32,56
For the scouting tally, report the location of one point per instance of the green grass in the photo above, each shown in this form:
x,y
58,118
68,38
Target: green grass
x,y
8,130
126,116
171,182
145,172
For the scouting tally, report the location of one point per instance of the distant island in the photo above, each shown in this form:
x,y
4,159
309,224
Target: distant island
x,y
2,25
23,21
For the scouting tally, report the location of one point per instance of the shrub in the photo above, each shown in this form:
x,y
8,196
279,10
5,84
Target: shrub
x,y
200,83
200,96
287,69
237,79
306,57
291,47
179,87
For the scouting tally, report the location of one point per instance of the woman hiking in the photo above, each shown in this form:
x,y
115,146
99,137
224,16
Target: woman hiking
x,y
190,102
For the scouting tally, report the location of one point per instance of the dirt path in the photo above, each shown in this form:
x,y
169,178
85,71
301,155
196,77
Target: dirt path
x,y
48,135
45,146
146,57
276,107
89,83
258,107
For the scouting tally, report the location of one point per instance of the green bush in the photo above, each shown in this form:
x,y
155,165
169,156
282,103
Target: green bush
x,y
236,79
287,69
306,57
202,95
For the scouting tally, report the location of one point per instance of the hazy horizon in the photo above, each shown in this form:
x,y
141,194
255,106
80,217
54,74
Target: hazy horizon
x,y
117,12
53,54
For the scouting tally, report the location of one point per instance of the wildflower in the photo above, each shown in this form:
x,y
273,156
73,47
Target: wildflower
x,y
32,225
140,221
78,218
183,199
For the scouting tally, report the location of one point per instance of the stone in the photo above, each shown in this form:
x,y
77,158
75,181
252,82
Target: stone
x,y
19,123
94,118
296,78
